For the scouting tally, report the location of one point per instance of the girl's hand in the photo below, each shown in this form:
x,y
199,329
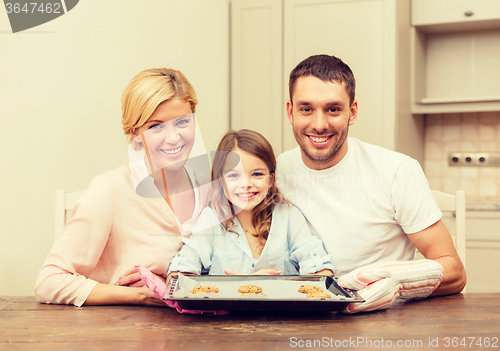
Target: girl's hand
x,y
234,273
269,271
324,272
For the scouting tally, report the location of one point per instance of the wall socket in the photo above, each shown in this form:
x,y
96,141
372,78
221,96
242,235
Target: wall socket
x,y
478,159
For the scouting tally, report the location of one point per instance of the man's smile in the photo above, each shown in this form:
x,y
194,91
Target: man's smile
x,y
319,140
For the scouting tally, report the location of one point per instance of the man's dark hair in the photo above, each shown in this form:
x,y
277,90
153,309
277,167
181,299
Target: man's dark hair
x,y
328,69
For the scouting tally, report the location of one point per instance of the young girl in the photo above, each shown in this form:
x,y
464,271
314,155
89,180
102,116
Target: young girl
x,y
249,228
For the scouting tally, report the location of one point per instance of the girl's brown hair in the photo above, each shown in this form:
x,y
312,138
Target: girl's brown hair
x,y
255,144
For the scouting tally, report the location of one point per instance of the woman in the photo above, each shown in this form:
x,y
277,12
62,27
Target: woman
x,y
126,216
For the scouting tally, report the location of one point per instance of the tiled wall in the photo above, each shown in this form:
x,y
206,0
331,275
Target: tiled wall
x,y
473,132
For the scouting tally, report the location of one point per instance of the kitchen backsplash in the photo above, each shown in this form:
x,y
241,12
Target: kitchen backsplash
x,y
464,132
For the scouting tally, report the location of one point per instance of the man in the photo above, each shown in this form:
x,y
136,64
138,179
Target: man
x,y
371,206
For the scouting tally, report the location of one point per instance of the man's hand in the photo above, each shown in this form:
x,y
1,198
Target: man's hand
x,y
380,284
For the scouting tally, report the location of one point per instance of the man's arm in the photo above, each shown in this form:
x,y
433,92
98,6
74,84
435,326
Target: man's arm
x,y
435,243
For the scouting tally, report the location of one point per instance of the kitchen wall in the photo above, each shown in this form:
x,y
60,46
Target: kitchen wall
x,y
465,132
60,89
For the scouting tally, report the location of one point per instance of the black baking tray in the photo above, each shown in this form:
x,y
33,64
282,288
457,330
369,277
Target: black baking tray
x,y
282,293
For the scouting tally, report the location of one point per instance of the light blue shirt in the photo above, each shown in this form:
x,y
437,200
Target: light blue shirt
x,y
290,247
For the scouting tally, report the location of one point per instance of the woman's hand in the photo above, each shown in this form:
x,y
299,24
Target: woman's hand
x,y
134,280
149,298
269,271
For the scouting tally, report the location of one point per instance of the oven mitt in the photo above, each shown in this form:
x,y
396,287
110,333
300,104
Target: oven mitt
x,y
381,283
160,288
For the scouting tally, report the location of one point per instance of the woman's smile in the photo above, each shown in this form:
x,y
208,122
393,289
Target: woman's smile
x,y
173,152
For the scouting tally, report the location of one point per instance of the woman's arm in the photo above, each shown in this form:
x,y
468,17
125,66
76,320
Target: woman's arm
x,y
63,279
105,294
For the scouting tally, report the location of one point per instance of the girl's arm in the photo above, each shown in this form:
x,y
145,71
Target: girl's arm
x,y
306,250
196,253
195,256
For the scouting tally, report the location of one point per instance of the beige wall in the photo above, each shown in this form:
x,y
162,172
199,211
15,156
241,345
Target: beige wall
x,y
60,88
463,132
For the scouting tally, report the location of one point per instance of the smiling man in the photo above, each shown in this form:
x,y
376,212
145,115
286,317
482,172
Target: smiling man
x,y
371,206
321,115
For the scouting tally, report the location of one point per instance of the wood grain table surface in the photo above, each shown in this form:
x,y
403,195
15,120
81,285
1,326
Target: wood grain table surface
x,y
459,322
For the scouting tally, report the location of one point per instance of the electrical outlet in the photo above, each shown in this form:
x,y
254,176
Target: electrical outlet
x,y
491,159
454,159
481,159
469,159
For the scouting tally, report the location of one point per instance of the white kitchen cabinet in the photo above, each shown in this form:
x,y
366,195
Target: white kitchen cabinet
x,y
464,12
371,36
256,68
455,57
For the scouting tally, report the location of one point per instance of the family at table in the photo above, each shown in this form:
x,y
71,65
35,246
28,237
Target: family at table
x,y
335,205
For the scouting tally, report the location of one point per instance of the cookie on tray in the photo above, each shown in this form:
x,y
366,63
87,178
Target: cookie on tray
x,y
314,294
306,289
196,292
204,289
254,294
250,289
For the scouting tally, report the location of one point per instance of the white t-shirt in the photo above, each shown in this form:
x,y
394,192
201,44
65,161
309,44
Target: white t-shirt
x,y
364,206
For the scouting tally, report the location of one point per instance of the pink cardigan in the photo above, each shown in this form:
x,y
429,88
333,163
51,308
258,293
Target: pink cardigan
x,y
112,230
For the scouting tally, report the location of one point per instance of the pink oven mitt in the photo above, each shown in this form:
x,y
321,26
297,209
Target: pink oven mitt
x,y
160,288
380,284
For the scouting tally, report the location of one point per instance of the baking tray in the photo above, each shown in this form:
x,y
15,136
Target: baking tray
x,y
282,293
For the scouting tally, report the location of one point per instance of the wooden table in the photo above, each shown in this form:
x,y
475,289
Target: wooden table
x,y
27,325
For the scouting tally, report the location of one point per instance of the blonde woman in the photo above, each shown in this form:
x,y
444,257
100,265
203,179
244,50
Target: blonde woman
x,y
135,214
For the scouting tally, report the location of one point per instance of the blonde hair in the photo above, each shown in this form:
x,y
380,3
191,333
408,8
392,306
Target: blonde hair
x,y
147,90
256,145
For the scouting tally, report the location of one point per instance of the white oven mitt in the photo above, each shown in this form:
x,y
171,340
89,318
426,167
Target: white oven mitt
x,y
381,283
